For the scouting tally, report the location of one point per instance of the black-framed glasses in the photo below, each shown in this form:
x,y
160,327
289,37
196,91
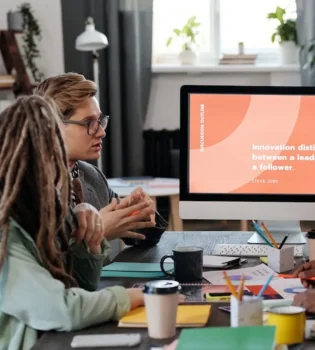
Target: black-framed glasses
x,y
91,125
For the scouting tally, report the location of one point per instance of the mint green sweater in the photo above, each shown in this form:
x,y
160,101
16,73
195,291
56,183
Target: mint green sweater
x,y
31,299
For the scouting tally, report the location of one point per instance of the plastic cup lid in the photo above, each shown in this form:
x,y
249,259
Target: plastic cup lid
x,y
161,287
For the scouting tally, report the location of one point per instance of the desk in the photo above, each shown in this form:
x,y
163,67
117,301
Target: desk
x,y
208,240
155,187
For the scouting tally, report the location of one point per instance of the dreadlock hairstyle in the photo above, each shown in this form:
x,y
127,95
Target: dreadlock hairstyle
x,y
33,161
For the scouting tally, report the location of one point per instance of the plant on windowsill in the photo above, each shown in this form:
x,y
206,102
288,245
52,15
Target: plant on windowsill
x,y
286,35
188,35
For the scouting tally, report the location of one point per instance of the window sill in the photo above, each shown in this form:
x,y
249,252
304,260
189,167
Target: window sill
x,y
198,69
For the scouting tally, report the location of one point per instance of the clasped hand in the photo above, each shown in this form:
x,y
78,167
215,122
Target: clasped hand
x,y
90,227
120,220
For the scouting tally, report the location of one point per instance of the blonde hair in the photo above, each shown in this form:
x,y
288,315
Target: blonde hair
x,y
67,90
33,160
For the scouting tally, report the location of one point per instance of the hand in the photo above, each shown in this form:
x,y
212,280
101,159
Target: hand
x,y
181,298
136,297
304,272
119,223
304,267
137,196
306,300
134,197
171,346
90,227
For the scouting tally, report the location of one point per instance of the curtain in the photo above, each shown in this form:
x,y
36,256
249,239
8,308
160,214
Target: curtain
x,y
125,73
306,34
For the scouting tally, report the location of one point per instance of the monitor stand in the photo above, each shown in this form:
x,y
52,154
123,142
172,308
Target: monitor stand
x,y
278,230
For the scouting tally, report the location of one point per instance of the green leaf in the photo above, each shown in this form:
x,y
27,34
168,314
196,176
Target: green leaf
x,y
273,37
311,48
177,31
169,41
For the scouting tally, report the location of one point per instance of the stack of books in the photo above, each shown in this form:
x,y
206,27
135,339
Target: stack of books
x,y
238,59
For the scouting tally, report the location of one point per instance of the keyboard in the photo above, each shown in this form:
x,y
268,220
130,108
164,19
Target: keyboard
x,y
249,250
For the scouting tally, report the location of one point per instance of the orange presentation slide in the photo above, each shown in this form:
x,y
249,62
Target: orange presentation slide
x,y
252,144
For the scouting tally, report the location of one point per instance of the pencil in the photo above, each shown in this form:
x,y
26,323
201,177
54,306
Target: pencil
x,y
269,235
240,292
229,284
260,232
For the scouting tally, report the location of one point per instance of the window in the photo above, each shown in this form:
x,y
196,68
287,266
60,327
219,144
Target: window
x,y
224,23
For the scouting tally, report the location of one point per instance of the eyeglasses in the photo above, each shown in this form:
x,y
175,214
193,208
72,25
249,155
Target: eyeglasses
x,y
92,125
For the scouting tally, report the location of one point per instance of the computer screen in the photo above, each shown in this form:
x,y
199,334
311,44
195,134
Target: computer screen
x,y
247,152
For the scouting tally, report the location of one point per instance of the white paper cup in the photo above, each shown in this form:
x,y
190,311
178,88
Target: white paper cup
x,y
161,301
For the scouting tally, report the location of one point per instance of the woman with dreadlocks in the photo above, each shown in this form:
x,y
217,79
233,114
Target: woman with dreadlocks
x,y
41,271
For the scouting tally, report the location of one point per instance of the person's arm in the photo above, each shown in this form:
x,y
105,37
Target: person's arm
x,y
87,267
29,293
153,235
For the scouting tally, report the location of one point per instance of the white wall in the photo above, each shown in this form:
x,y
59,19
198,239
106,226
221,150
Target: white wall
x,y
48,13
163,109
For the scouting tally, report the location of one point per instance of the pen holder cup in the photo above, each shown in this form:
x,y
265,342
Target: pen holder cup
x,y
248,312
281,260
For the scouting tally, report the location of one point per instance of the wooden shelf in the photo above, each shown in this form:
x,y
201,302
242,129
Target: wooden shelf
x,y
13,61
6,82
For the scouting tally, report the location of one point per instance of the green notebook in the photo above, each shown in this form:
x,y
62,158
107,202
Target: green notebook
x,y
135,270
228,338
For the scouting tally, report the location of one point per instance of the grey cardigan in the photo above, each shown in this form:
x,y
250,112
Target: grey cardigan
x,y
97,193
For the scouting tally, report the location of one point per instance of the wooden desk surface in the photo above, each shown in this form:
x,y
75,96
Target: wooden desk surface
x,y
207,240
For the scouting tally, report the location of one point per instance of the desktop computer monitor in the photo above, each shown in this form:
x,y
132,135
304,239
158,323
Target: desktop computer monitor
x,y
248,152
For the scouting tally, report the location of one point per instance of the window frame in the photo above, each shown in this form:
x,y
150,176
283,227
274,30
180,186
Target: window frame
x,y
264,55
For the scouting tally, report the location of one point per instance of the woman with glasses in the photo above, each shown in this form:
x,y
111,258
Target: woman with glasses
x,y
85,128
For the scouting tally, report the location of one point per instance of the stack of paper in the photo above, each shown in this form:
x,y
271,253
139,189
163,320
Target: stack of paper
x,y
238,59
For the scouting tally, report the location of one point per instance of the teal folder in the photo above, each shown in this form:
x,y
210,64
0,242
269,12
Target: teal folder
x,y
135,270
228,338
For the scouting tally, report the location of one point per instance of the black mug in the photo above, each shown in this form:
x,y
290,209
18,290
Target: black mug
x,y
188,263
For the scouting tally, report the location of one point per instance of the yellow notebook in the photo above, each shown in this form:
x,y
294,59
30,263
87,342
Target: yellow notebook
x,y
187,316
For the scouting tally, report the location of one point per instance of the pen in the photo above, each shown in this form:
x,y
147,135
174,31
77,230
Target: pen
x,y
260,233
284,239
269,235
264,287
290,276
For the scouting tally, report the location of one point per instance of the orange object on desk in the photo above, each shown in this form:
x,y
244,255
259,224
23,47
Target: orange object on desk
x,y
290,276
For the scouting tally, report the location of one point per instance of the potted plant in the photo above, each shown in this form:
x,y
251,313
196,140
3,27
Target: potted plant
x,y
286,35
31,35
15,20
188,36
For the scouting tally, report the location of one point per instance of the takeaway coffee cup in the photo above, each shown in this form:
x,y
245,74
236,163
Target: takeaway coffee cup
x,y
161,301
310,236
